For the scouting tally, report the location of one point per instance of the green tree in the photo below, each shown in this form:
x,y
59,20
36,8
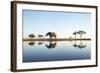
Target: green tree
x,y
31,35
40,36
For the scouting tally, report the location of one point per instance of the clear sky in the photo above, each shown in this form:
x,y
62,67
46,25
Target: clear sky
x,y
63,23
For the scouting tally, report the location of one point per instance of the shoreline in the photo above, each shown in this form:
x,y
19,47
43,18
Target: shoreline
x,y
58,39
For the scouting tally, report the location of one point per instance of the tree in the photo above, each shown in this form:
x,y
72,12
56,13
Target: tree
x,y
31,43
31,35
40,35
81,33
75,33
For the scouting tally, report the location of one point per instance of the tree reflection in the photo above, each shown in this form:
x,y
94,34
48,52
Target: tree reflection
x,y
40,43
52,44
31,43
80,45
75,45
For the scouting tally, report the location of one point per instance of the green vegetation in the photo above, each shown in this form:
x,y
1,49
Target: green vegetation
x,y
31,35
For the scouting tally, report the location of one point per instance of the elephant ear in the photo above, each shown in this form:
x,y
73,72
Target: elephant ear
x,y
48,33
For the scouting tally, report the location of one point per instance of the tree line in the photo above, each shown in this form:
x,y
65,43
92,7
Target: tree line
x,y
53,34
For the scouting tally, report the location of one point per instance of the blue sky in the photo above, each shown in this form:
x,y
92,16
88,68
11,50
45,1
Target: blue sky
x,y
63,23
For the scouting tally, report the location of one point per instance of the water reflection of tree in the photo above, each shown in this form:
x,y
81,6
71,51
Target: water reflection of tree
x,y
80,45
31,43
75,45
52,44
40,43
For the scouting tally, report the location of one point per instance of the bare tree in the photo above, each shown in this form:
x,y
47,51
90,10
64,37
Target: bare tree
x,y
75,33
81,33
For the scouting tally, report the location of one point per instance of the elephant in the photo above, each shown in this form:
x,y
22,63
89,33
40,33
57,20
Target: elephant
x,y
51,34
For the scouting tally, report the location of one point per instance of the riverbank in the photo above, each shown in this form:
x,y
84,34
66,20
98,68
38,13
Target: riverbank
x,y
58,39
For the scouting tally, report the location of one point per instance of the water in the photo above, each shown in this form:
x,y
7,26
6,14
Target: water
x,y
56,51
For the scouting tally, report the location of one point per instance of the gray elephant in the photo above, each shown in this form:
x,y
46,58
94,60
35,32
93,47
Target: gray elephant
x,y
52,35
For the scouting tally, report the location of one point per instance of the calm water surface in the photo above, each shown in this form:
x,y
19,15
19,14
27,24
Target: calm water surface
x,y
56,51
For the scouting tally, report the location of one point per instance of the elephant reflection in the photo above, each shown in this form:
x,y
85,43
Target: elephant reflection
x,y
80,45
31,43
52,44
